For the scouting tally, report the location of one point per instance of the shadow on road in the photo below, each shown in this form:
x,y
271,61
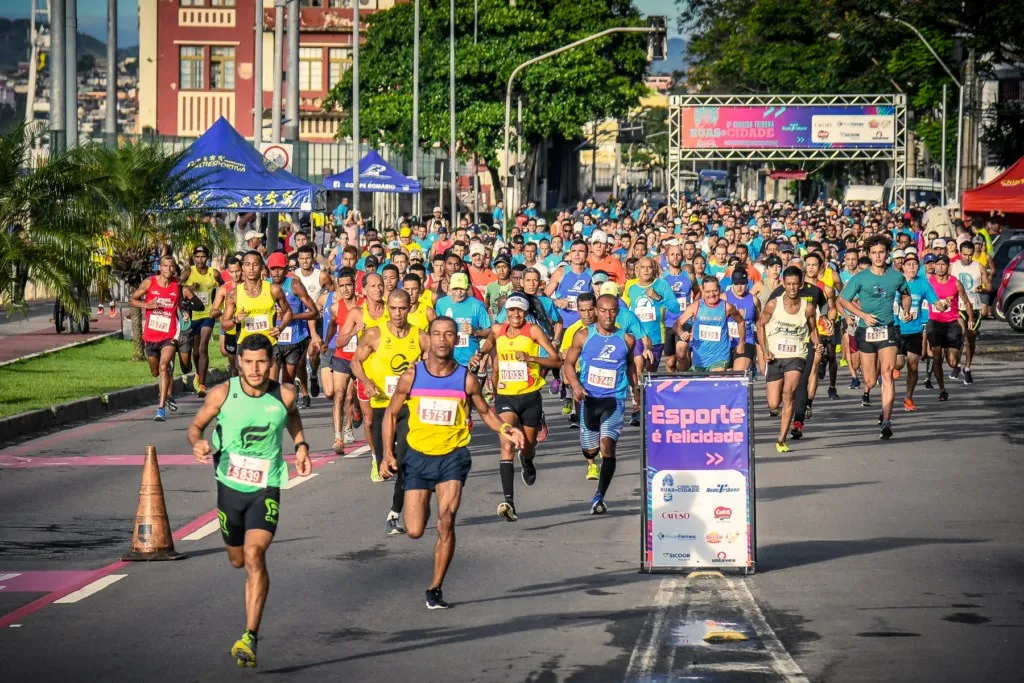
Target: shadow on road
x,y
800,553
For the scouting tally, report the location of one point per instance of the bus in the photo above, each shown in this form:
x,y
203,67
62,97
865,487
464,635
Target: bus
x,y
919,191
713,184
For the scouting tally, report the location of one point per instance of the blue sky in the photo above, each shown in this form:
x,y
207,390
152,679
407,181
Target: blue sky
x,y
92,16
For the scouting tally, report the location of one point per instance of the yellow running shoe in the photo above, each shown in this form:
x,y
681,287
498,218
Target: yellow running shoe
x,y
593,471
244,650
374,472
781,447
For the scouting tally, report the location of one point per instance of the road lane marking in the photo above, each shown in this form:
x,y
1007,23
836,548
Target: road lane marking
x,y
645,653
782,661
203,531
295,481
90,589
6,577
365,448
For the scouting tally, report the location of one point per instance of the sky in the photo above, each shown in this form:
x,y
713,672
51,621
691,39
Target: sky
x,y
92,16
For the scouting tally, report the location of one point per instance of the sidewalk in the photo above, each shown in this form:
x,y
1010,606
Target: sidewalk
x,y
23,337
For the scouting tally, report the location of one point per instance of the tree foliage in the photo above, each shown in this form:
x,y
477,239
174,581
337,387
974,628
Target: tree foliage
x,y
597,80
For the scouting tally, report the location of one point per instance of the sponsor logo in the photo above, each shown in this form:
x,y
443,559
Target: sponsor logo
x,y
713,537
676,537
794,126
721,513
673,514
823,135
721,488
676,556
732,537
375,171
722,557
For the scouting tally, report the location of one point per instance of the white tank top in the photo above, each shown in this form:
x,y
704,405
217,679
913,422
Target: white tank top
x,y
311,283
970,278
786,333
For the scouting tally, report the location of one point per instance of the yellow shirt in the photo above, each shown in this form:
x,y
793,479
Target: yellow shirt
x,y
516,378
438,412
418,317
259,312
204,287
569,334
393,356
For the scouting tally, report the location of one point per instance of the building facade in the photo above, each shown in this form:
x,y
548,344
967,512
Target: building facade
x,y
196,63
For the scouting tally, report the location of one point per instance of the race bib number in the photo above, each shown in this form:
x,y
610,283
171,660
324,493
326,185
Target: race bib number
x,y
709,334
204,297
645,311
390,384
601,377
248,471
914,312
352,344
438,411
786,345
512,371
876,334
734,329
286,336
681,300
257,323
462,341
159,322
570,303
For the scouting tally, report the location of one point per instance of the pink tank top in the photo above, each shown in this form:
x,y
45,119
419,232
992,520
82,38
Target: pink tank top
x,y
946,292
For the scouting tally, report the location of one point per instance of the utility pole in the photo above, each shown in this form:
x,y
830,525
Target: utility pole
x,y
355,111
454,170
275,114
58,76
517,183
110,121
257,93
970,137
942,163
417,208
593,166
71,59
291,126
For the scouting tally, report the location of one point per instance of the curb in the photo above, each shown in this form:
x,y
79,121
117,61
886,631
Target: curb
x,y
36,422
63,347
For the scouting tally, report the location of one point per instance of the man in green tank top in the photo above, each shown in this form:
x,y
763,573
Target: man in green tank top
x,y
252,413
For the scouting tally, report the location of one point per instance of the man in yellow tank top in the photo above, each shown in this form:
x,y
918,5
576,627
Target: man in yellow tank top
x,y
421,314
204,281
251,306
515,353
436,394
383,354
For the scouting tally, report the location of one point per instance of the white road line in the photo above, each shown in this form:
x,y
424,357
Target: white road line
x,y
5,577
645,653
94,587
203,531
357,452
782,661
295,481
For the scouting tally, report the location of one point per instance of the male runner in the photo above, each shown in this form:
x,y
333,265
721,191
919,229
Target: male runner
x,y
204,281
875,289
651,299
336,360
708,334
587,308
945,331
469,314
251,306
162,297
606,376
911,346
252,412
383,354
436,394
228,342
682,286
315,280
744,302
785,325
293,340
975,280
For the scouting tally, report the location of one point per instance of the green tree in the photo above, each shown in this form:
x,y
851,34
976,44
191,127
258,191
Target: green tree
x,y
595,81
134,181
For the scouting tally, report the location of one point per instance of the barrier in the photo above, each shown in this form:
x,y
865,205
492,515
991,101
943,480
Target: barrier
x,y
698,473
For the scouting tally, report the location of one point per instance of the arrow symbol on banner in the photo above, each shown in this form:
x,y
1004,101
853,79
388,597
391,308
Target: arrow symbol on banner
x,y
767,112
778,112
799,139
714,458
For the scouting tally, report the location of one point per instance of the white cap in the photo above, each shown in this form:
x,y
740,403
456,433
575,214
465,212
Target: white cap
x,y
577,227
598,237
517,301
253,234
899,253
436,209
938,242
477,248
777,226
541,221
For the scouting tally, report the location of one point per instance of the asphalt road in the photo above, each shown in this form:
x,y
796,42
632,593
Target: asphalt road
x,y
877,561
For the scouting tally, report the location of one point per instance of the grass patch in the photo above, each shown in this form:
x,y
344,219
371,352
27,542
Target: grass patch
x,y
82,372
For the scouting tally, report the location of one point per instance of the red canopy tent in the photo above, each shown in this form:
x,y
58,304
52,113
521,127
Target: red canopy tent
x,y
1004,193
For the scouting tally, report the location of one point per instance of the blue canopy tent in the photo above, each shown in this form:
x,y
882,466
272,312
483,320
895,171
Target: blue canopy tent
x,y
236,177
375,175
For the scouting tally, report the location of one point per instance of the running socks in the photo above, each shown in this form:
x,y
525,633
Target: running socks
x,y
607,472
507,469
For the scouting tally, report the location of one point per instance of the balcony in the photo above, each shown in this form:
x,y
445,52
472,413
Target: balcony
x,y
206,17
199,109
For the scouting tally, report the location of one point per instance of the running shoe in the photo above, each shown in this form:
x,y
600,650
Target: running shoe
x,y
528,469
201,391
172,404
782,447
865,400
306,402
542,433
968,377
886,431
507,511
99,310
574,421
374,471
556,387
357,417
881,419
567,407
954,373
909,405
161,415
634,419
833,395
896,374
928,382
244,650
943,395
348,437
797,432
339,447
855,383
435,600
392,527
113,310
597,506
593,472
314,385
774,412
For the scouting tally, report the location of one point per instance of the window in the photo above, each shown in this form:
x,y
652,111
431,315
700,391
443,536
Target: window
x,y
222,3
222,68
191,68
191,3
311,68
312,3
339,60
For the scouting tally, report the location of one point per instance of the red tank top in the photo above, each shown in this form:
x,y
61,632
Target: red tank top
x,y
948,292
161,323
349,350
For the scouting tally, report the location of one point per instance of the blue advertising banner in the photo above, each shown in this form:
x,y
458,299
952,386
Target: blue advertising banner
x,y
698,485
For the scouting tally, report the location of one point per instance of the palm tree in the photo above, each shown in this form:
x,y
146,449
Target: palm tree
x,y
47,226
136,181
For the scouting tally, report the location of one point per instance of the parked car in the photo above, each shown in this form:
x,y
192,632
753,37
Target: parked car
x,y
1005,247
1010,296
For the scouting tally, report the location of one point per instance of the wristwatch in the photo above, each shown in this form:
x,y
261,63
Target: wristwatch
x,y
301,444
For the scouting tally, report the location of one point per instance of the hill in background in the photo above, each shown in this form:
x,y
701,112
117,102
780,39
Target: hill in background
x,y
14,45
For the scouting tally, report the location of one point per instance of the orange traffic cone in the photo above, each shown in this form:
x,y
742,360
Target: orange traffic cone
x,y
152,539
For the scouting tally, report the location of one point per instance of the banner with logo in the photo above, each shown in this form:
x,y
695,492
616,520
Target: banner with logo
x,y
698,483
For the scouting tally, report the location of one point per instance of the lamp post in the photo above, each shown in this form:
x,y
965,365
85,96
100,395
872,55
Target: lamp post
x,y
452,163
418,200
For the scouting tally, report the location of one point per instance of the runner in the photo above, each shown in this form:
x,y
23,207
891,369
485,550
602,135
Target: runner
x,y
316,281
228,342
515,347
606,376
651,299
252,413
436,394
875,290
587,308
383,354
470,316
945,331
975,280
911,346
709,344
682,287
336,359
250,307
744,302
163,297
293,340
204,281
783,328
422,307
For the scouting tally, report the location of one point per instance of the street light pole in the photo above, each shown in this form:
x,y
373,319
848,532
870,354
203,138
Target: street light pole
x,y
110,118
943,162
257,95
71,58
453,164
291,126
58,76
418,200
355,113
275,114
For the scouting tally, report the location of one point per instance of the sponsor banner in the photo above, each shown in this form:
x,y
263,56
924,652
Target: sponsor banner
x,y
697,449
804,127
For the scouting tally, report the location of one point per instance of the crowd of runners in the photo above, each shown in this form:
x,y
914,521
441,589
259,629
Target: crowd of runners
x,y
407,329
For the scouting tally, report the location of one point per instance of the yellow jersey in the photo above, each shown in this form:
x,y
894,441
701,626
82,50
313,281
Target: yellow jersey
x,y
438,411
204,287
516,377
418,318
570,332
393,356
259,311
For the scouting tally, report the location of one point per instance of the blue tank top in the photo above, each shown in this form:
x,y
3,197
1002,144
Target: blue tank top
x,y
710,335
681,286
603,364
298,330
569,288
745,306
326,320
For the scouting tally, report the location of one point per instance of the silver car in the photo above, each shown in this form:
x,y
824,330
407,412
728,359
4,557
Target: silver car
x,y
1010,296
